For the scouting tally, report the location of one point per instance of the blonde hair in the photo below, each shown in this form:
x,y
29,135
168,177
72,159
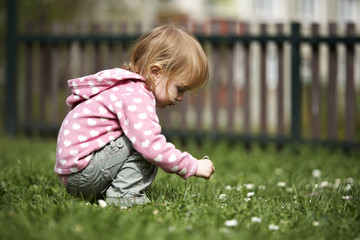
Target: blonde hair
x,y
178,52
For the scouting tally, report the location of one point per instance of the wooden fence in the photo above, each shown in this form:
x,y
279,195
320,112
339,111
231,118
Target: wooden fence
x,y
250,96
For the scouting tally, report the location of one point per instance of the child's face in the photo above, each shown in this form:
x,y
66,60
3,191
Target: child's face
x,y
167,97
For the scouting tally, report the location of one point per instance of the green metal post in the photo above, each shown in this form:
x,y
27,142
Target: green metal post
x,y
10,117
295,82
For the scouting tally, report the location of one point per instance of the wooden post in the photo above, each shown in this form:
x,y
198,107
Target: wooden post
x,y
247,83
350,87
69,58
11,50
280,90
83,56
230,86
215,83
44,74
199,98
97,55
315,86
263,85
332,96
110,51
54,78
295,82
29,80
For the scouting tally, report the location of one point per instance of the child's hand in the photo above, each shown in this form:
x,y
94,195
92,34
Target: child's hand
x,y
205,168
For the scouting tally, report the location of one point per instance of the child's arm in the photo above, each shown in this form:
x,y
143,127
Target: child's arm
x,y
205,168
139,122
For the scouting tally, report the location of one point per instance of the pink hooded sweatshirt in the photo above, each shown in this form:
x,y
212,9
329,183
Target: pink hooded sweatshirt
x,y
105,106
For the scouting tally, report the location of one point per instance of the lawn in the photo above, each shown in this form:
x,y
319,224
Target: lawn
x,y
300,192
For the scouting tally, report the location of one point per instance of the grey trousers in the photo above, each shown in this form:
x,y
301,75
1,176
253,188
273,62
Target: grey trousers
x,y
118,172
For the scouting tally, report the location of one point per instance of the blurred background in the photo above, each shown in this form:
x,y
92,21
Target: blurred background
x,y
260,88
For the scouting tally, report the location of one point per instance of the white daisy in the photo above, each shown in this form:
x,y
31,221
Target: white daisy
x,y
316,173
231,223
250,194
222,196
281,184
102,203
273,227
256,219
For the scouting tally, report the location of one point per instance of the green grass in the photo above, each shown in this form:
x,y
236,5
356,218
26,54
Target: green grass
x,y
34,205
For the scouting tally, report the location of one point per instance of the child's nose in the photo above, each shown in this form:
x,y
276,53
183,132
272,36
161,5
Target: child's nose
x,y
179,98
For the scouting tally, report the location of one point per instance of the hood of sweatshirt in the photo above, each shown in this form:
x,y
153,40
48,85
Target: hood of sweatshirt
x,y
86,87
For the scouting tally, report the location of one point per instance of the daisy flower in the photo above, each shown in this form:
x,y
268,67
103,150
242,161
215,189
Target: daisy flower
x,y
316,173
250,194
222,196
102,203
347,197
337,182
281,184
231,223
256,219
315,223
273,227
324,184
348,187
249,185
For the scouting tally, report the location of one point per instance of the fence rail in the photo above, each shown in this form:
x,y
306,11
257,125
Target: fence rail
x,y
256,92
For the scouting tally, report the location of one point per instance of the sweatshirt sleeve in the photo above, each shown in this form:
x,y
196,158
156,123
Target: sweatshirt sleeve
x,y
138,119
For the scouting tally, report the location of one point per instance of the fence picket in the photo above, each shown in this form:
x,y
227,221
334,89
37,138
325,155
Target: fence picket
x,y
350,87
44,64
332,96
280,89
230,88
110,50
96,45
263,85
83,53
214,88
54,79
29,79
247,83
68,57
184,109
199,98
315,87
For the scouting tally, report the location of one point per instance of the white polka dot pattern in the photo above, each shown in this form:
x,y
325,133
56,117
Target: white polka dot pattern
x,y
115,106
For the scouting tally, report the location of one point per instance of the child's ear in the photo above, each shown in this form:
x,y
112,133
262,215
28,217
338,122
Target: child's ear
x,y
155,70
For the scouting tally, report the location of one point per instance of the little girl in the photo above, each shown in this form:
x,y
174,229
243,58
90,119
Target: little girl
x,y
110,143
